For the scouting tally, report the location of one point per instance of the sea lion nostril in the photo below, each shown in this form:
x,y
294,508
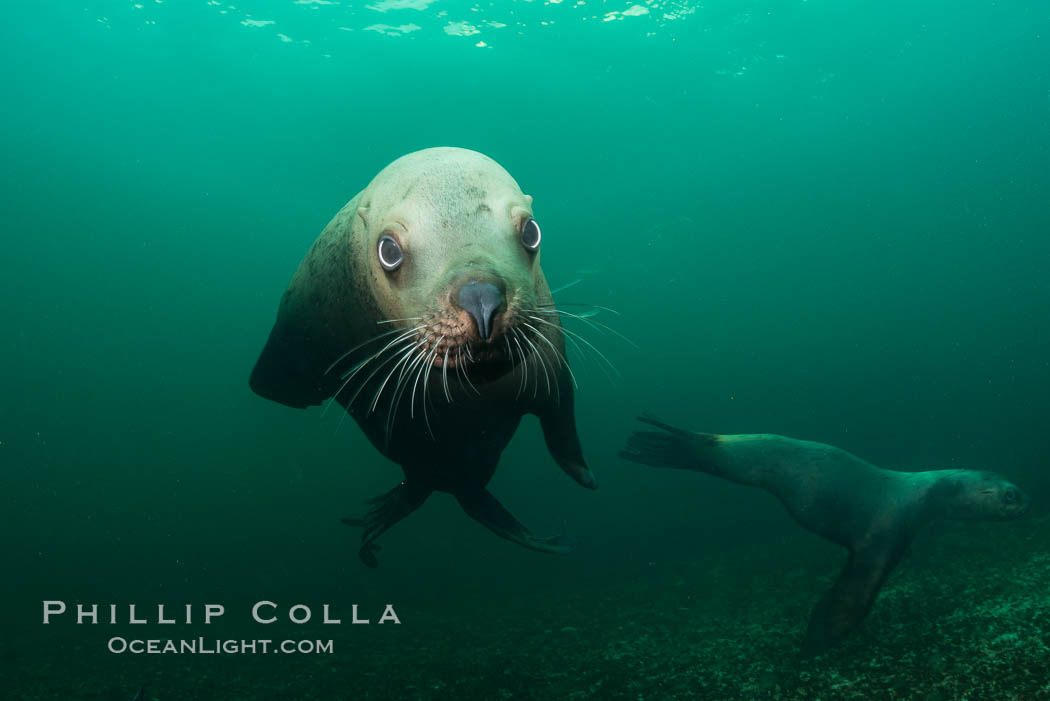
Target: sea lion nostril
x,y
481,300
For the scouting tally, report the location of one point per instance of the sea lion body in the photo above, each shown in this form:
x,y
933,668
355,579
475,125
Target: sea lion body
x,y
872,512
422,310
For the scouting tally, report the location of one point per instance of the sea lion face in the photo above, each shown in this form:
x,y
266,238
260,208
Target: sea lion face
x,y
990,497
451,249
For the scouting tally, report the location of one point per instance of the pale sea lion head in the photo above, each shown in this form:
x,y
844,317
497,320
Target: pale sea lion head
x,y
987,496
452,251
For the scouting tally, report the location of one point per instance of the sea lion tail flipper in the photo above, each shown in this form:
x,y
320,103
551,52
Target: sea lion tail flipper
x,y
845,605
648,418
484,508
672,447
387,509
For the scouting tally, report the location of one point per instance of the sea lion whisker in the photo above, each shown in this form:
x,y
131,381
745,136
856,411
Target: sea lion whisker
x,y
545,360
415,382
526,357
524,383
590,345
560,329
360,366
364,383
557,354
358,347
419,354
402,358
584,319
460,371
459,361
524,372
511,358
535,374
407,369
407,318
431,370
540,359
562,360
569,338
524,360
466,372
423,367
426,378
572,337
394,353
405,363
580,304
596,325
444,376
405,333
400,389
395,398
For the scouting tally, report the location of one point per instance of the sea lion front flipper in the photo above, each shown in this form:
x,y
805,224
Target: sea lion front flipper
x,y
484,508
322,314
842,608
388,509
558,421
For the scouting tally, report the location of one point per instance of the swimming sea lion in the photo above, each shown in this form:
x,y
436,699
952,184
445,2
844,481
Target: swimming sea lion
x,y
423,311
874,513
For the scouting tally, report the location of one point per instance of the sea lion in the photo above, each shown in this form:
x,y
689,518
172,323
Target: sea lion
x,y
872,512
423,311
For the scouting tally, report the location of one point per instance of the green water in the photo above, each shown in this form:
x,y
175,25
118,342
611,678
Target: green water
x,y
822,219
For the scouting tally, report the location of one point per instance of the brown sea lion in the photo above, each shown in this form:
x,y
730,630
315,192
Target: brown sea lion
x,y
423,311
872,512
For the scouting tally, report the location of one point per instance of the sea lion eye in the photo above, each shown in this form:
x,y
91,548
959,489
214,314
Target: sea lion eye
x,y
390,255
530,234
1010,495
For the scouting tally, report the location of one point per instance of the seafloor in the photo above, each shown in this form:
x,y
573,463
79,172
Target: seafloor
x,y
965,616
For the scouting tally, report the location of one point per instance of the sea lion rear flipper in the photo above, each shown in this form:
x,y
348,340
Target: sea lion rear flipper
x,y
559,431
481,506
389,509
673,447
844,606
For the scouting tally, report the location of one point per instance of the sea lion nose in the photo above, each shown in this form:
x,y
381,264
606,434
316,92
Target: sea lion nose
x,y
481,300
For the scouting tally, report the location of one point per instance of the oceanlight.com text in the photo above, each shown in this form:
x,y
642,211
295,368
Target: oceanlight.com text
x,y
214,646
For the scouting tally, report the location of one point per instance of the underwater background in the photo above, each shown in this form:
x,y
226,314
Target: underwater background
x,y
817,218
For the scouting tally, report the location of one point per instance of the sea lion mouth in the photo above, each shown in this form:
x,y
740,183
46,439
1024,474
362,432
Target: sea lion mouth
x,y
478,327
444,348
454,343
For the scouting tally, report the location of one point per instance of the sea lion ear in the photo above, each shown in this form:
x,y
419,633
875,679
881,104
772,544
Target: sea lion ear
x,y
363,212
528,198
